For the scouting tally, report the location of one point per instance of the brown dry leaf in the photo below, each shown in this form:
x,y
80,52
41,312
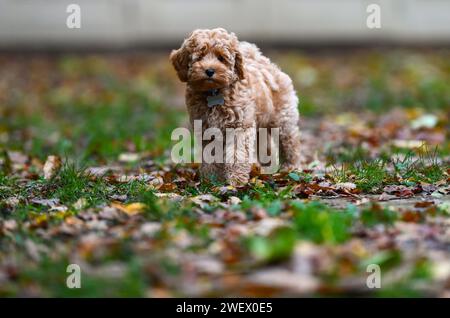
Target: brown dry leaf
x,y
51,167
399,190
258,213
168,187
412,216
130,209
159,293
72,220
424,204
405,193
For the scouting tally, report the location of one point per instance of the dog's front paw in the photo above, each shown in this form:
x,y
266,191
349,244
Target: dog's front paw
x,y
238,174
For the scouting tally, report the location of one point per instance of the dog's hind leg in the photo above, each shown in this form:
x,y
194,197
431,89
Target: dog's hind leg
x,y
288,122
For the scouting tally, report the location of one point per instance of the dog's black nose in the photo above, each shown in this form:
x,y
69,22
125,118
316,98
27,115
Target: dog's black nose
x,y
209,72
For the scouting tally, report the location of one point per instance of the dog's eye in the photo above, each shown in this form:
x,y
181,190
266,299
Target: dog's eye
x,y
221,58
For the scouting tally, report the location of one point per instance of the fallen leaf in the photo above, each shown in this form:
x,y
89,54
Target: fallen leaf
x,y
119,197
412,216
386,197
424,204
437,194
234,200
208,265
10,225
265,226
169,195
294,176
80,204
51,167
408,144
97,171
12,202
46,202
204,199
131,208
399,191
168,187
129,157
424,121
150,228
445,206
345,186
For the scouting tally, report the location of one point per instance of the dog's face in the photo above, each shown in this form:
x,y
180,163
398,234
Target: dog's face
x,y
209,59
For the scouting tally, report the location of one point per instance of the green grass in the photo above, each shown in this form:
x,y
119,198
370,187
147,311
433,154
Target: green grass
x,y
371,175
383,79
7,186
53,275
92,126
72,184
368,175
321,224
275,247
425,168
377,215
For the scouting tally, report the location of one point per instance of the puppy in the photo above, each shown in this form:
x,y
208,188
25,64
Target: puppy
x,y
230,84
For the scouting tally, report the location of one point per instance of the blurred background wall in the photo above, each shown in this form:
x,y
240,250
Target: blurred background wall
x,y
34,24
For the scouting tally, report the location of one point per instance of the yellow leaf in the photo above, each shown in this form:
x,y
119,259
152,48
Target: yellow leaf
x,y
130,209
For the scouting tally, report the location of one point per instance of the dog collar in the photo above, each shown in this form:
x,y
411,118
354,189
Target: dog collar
x,y
214,98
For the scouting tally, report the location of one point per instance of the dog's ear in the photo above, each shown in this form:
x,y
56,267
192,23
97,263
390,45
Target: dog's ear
x,y
180,61
238,59
239,65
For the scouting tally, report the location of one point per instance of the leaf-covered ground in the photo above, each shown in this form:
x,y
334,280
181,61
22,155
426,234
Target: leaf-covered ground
x,y
86,178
